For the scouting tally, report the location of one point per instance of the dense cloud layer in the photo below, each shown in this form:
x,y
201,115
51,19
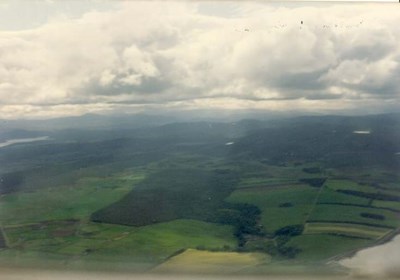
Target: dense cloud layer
x,y
380,262
175,55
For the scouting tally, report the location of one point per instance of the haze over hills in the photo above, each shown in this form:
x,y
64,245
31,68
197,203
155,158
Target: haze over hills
x,y
16,127
371,139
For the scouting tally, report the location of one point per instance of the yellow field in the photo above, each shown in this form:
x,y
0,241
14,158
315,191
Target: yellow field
x,y
196,261
346,229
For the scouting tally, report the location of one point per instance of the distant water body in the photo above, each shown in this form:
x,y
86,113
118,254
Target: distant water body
x,y
23,140
362,131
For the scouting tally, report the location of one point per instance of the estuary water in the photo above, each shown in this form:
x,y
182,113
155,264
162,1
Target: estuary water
x,y
22,140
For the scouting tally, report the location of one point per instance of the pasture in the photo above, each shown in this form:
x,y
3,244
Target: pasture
x,y
171,194
320,247
150,244
144,196
395,205
331,196
352,214
274,214
196,261
77,201
352,230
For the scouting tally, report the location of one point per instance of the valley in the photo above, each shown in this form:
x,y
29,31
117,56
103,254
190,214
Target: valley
x,y
282,193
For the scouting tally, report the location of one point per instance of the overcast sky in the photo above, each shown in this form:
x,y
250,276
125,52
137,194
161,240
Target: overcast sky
x,y
61,58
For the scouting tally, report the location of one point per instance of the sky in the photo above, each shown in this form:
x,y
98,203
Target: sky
x,y
61,58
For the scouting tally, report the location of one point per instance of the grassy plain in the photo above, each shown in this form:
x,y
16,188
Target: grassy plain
x,y
331,196
329,213
54,222
168,183
150,244
320,247
352,230
270,201
387,204
342,184
76,201
177,193
195,261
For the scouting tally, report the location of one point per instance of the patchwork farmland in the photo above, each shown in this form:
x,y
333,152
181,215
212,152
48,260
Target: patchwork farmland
x,y
160,196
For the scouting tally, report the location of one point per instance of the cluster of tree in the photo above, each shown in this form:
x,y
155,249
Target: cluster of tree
x,y
282,236
244,218
178,193
2,241
373,216
312,170
278,246
225,248
11,182
377,196
291,230
314,182
289,252
286,205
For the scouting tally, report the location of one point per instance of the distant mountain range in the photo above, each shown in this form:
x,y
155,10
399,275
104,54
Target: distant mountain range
x,y
326,138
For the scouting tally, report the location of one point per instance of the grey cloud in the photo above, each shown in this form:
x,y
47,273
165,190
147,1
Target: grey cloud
x,y
155,53
369,52
301,80
371,45
323,96
379,79
147,86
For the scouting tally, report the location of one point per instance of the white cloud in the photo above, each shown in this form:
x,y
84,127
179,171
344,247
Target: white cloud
x,y
381,261
190,55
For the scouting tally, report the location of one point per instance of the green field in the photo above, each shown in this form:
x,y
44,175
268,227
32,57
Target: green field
x,y
320,247
150,244
264,182
195,261
335,184
351,230
329,195
77,201
270,175
387,204
373,188
171,194
274,216
289,192
329,213
55,222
